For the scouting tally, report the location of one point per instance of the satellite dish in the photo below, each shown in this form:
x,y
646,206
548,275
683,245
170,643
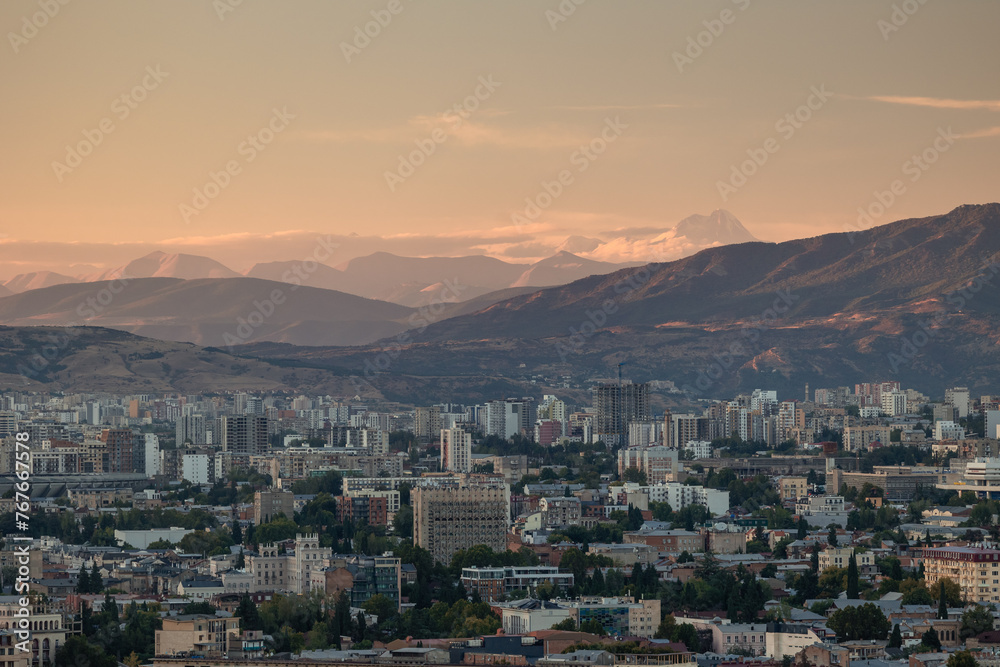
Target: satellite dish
x,y
720,526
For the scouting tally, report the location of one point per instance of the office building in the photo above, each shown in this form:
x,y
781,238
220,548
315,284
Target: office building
x,y
451,517
616,405
456,450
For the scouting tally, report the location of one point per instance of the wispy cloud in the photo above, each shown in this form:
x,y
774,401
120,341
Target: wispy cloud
x,y
466,131
616,107
980,134
938,102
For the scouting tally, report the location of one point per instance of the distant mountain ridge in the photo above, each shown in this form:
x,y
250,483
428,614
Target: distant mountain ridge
x,y
884,302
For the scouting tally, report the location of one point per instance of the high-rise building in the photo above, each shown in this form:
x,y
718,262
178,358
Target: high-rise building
x,y
427,422
510,417
120,450
151,455
448,518
894,403
973,569
190,428
661,464
616,405
245,435
456,450
959,397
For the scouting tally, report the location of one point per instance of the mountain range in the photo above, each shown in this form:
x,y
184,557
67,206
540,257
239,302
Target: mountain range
x,y
886,302
915,300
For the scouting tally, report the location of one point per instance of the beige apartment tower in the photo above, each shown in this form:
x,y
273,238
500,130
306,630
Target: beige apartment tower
x,y
447,519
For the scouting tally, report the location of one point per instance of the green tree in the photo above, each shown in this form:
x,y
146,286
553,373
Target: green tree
x,y
896,638
852,578
237,532
248,614
961,659
942,602
96,580
861,622
832,538
594,627
83,581
803,528
930,639
567,624
78,651
975,621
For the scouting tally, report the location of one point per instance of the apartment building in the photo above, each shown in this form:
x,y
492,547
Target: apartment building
x,y
199,634
493,583
975,569
448,518
269,504
793,488
841,556
661,464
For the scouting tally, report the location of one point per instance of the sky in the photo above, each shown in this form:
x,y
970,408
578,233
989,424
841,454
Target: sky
x,y
245,130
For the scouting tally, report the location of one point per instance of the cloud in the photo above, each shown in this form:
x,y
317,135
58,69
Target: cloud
x,y
980,134
479,131
939,103
616,107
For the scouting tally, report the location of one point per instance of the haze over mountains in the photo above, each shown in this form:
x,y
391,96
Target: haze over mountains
x,y
884,302
880,303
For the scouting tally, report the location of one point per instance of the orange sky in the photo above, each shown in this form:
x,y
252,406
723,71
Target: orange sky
x,y
501,98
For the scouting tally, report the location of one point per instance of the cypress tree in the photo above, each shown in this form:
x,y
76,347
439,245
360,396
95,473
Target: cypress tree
x,y
852,578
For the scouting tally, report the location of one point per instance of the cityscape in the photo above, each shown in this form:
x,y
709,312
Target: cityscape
x,y
560,333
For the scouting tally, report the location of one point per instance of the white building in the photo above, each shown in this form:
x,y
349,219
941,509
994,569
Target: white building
x,y
681,495
700,449
456,450
195,468
141,539
959,397
152,454
894,403
948,430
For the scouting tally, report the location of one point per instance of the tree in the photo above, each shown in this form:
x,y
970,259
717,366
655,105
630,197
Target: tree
x,y
78,651
896,638
237,531
915,592
666,628
567,624
814,558
952,592
248,614
852,578
96,580
803,528
594,627
83,581
862,622
942,602
975,621
930,639
832,539
961,659
241,561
